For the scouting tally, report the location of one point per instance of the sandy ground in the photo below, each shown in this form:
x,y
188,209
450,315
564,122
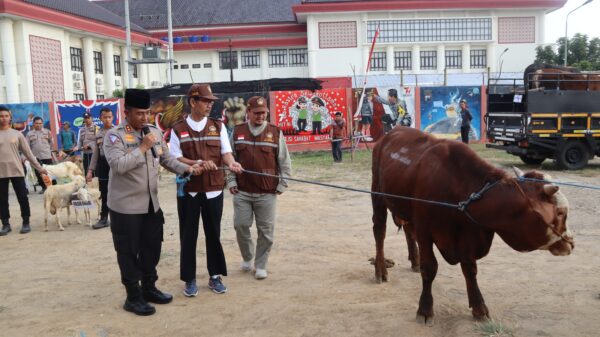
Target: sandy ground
x,y
320,282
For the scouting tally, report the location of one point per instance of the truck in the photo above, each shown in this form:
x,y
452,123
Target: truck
x,y
538,119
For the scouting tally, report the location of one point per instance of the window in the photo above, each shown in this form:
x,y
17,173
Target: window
x,y
478,58
207,65
298,57
176,66
228,60
277,57
117,62
78,97
403,60
465,29
185,66
99,96
135,74
76,59
453,59
379,61
196,66
250,59
429,60
98,62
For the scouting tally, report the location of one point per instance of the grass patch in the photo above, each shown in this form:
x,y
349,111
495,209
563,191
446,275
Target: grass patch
x,y
491,328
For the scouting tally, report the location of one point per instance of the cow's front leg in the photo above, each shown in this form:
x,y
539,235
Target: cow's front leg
x,y
429,268
379,228
476,302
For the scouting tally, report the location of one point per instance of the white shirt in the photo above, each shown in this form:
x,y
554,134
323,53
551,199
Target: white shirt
x,y
175,148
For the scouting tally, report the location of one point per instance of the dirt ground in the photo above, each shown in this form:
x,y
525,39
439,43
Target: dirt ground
x,y
320,282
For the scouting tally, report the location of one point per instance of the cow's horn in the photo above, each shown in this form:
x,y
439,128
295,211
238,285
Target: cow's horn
x,y
518,172
550,189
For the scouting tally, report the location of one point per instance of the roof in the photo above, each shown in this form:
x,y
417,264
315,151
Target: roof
x,y
86,9
152,14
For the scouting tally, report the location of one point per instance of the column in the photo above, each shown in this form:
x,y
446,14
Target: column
x,y
491,58
416,58
441,58
214,59
125,69
312,33
109,67
10,61
466,57
142,70
67,73
390,59
264,63
88,68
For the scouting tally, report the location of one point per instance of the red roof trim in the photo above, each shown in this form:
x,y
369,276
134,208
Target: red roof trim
x,y
422,5
37,13
237,44
224,31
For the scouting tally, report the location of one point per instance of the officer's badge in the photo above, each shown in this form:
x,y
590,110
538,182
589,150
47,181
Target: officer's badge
x,y
128,128
113,139
269,137
241,137
185,134
260,102
159,150
212,131
130,138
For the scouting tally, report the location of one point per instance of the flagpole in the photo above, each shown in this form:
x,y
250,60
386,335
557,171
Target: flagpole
x,y
362,93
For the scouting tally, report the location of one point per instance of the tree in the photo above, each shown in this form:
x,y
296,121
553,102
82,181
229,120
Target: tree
x,y
584,54
545,55
117,93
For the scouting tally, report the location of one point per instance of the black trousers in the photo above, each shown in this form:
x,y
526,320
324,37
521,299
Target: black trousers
x,y
38,175
103,173
20,188
87,159
336,149
301,124
189,209
316,128
464,133
138,242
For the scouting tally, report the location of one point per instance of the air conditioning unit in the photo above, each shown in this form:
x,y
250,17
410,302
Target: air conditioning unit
x,y
98,81
77,76
156,84
118,82
77,85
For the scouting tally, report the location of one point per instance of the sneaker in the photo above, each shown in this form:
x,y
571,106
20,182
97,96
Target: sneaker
x,y
216,285
246,265
191,289
261,274
368,139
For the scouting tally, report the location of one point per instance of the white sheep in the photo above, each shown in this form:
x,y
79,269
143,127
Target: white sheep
x,y
88,193
57,197
64,171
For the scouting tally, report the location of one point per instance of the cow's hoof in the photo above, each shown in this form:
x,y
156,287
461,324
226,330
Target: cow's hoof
x,y
415,268
481,313
425,320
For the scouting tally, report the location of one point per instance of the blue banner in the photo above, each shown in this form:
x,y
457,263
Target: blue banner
x,y
23,114
72,112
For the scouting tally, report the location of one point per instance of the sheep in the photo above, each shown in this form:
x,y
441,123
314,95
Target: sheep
x,y
57,197
90,194
65,170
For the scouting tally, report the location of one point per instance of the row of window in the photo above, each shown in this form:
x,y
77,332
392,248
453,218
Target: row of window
x,y
428,58
77,62
81,97
464,29
293,57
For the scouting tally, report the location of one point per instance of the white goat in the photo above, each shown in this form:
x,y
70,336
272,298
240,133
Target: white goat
x,y
88,193
64,171
57,197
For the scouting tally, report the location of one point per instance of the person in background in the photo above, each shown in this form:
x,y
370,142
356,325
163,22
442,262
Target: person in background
x,y
40,142
67,139
465,125
12,143
366,112
337,134
86,138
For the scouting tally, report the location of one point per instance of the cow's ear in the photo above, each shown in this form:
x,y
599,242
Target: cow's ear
x,y
518,172
550,189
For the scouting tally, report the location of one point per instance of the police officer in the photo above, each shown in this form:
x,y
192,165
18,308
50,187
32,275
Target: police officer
x,y
201,139
99,166
86,138
40,142
134,151
260,147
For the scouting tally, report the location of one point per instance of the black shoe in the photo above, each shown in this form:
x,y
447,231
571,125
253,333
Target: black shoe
x,y
5,227
26,228
138,306
153,295
100,224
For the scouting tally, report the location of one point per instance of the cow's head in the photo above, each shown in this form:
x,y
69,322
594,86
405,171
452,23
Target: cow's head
x,y
545,216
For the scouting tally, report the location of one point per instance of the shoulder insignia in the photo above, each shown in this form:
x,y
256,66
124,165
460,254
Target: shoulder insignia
x,y
128,128
113,138
129,138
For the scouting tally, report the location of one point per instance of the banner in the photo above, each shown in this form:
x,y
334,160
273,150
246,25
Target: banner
x,y
440,111
23,114
305,116
72,112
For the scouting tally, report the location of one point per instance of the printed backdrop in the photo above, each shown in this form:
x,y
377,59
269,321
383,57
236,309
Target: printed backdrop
x,y
24,113
72,112
289,105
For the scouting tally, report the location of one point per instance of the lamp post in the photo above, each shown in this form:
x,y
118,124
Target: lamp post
x,y
502,62
567,27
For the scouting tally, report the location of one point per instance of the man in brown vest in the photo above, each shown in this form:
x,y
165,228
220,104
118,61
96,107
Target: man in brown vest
x,y
259,147
202,140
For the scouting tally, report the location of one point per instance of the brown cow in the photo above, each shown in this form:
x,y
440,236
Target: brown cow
x,y
526,215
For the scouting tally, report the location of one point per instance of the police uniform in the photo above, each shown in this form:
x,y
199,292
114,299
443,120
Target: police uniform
x,y
260,149
136,218
40,143
101,169
85,142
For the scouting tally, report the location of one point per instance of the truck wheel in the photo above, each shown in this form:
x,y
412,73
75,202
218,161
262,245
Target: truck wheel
x,y
572,156
531,160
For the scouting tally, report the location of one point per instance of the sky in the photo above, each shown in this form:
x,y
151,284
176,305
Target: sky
x,y
585,20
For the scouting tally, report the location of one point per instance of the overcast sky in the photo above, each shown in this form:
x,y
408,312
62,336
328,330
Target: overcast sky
x,y
585,20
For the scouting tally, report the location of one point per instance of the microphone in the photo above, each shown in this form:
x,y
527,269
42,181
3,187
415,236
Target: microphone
x,y
145,131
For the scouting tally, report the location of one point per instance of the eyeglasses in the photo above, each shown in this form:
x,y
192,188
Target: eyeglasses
x,y
203,100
